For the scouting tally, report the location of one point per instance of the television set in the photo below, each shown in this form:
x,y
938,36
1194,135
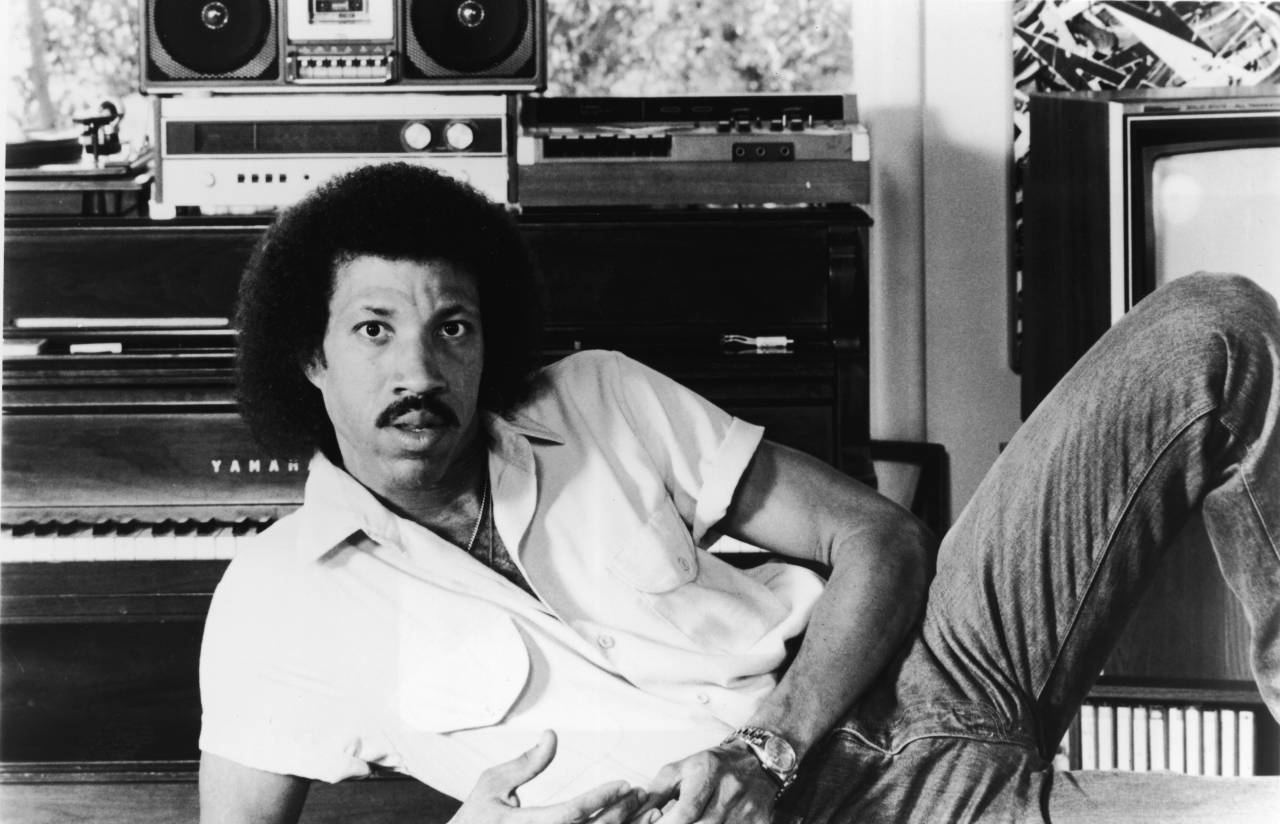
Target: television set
x,y
1127,190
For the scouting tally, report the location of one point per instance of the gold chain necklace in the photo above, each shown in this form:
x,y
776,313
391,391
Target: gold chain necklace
x,y
475,531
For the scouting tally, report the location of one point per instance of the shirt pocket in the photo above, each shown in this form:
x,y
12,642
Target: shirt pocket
x,y
459,674
661,557
717,607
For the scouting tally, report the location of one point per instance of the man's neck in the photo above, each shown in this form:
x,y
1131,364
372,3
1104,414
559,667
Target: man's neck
x,y
447,504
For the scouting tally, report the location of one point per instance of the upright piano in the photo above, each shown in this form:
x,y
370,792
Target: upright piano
x,y
129,479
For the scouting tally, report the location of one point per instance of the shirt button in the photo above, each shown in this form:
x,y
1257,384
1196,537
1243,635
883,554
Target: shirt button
x,y
684,564
703,698
605,641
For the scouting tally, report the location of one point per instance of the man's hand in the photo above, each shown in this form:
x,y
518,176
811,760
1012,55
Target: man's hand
x,y
493,800
722,785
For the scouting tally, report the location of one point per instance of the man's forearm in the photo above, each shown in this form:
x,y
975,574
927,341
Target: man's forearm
x,y
871,602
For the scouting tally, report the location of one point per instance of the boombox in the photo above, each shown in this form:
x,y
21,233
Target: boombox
x,y
366,45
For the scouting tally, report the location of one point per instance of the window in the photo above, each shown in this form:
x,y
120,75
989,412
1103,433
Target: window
x,y
657,47
68,56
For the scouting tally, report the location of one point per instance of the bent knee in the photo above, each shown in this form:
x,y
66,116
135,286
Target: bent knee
x,y
1226,301
1222,289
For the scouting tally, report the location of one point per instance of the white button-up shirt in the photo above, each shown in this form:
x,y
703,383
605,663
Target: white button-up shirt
x,y
347,636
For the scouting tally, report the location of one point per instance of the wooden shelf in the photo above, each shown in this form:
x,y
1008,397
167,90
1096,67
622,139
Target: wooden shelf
x,y
1165,691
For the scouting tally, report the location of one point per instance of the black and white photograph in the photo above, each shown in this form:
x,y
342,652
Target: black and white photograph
x,y
640,412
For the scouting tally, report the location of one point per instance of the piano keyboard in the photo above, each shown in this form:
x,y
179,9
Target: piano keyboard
x,y
166,541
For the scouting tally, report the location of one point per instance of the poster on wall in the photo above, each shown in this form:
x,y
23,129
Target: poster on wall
x,y
1078,45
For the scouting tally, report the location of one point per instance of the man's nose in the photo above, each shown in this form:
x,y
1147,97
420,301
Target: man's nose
x,y
417,367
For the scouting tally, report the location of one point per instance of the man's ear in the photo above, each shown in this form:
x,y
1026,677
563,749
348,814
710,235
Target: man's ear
x,y
313,366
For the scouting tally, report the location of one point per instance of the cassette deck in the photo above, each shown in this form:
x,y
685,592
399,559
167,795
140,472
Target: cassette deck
x,y
791,149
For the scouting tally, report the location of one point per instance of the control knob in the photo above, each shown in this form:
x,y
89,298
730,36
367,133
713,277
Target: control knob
x,y
459,135
416,135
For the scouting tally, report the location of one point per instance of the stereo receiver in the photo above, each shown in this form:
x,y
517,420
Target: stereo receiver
x,y
254,153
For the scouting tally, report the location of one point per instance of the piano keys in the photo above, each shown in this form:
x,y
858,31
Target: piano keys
x,y
153,484
114,541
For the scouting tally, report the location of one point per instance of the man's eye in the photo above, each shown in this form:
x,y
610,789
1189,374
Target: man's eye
x,y
454,328
372,329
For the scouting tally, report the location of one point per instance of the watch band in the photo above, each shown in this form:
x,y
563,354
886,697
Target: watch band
x,y
775,753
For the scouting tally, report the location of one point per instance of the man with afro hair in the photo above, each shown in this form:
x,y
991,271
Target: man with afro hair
x,y
503,579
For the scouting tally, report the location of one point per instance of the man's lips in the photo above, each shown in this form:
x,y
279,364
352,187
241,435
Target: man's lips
x,y
418,421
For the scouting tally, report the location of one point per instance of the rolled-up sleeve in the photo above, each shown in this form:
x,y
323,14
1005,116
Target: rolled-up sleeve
x,y
259,708
702,449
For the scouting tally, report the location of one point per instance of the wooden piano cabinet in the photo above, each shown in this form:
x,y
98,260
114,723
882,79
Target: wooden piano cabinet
x,y
665,286
93,592
168,794
124,269
98,680
102,715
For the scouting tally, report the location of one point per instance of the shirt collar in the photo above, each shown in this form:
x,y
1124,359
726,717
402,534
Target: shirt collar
x,y
521,424
337,506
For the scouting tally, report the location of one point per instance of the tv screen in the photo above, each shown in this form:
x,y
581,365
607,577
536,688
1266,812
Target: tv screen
x,y
1127,190
1219,211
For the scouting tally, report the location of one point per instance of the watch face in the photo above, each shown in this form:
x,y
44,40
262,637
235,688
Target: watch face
x,y
780,753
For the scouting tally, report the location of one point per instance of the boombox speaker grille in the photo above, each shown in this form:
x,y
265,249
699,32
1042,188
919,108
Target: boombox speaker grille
x,y
482,38
197,39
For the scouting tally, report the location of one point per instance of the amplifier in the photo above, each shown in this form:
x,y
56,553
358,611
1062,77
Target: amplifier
x,y
682,151
253,153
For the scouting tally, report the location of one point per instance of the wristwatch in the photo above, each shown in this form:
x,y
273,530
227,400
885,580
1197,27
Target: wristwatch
x,y
776,754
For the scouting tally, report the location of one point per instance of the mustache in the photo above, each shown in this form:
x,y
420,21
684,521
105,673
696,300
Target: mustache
x,y
414,403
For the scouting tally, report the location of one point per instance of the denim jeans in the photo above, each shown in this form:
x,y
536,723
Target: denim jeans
x,y
1175,410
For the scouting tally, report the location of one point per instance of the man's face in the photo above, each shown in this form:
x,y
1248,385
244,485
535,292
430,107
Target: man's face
x,y
400,374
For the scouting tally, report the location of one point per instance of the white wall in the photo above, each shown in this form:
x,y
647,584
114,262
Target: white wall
x,y
888,79
941,198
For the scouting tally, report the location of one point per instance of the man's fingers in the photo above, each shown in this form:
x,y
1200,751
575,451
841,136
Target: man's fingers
x,y
622,810
579,808
502,780
696,789
650,809
495,793
653,812
662,791
689,806
664,784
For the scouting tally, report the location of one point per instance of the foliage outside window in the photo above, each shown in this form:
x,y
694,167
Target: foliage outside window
x,y
658,47
68,56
